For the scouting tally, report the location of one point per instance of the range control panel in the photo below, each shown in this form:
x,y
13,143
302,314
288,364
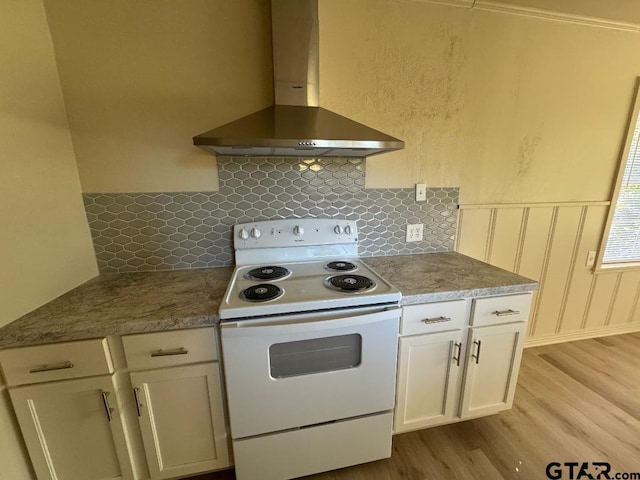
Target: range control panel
x,y
293,232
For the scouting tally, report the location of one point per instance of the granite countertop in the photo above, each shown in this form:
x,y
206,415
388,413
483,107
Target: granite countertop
x,y
436,277
125,303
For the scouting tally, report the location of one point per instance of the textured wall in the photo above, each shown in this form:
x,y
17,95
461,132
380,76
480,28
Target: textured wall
x,y
155,231
509,108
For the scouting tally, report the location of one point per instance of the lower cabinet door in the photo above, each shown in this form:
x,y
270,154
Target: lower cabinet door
x,y
429,367
73,429
181,419
493,362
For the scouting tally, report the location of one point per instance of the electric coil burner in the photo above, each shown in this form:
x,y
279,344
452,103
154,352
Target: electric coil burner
x,y
268,273
350,283
309,350
262,292
341,266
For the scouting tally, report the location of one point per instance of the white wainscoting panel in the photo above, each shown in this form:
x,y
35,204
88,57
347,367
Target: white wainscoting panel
x,y
549,243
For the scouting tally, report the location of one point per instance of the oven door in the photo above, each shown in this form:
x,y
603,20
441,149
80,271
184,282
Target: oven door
x,y
296,371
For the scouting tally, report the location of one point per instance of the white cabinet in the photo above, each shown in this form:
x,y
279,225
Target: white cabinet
x,y
463,372
77,410
73,428
493,361
429,370
179,407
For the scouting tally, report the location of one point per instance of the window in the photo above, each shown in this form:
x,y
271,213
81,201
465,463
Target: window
x,y
622,246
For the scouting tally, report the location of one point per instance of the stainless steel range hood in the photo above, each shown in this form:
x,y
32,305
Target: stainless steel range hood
x,y
296,125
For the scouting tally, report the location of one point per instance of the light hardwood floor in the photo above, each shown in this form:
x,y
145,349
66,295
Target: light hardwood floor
x,y
575,402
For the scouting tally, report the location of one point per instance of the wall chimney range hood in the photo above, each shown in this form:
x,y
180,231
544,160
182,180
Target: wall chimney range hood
x,y
296,126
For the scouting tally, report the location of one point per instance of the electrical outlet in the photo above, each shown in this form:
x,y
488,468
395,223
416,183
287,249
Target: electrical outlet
x,y
421,192
591,258
415,232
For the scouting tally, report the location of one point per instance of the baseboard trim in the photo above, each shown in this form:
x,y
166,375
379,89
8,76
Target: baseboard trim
x,y
581,335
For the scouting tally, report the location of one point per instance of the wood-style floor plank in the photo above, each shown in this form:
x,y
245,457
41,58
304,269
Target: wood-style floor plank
x,y
575,402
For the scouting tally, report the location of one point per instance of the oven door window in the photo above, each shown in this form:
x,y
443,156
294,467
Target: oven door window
x,y
304,357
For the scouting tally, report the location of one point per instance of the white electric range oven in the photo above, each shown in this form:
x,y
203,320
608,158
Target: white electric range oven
x,y
309,344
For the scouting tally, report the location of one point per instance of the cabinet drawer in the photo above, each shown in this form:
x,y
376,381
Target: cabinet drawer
x,y
58,361
497,310
164,349
433,317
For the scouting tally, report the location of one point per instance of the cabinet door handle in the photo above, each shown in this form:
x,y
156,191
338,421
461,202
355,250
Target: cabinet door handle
x,y
107,407
166,353
504,313
456,357
477,355
47,367
436,320
136,393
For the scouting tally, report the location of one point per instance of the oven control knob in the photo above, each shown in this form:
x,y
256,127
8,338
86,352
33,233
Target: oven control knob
x,y
243,234
338,229
347,229
255,233
298,230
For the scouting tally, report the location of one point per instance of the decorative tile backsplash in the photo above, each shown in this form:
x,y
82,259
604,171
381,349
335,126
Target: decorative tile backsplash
x,y
160,231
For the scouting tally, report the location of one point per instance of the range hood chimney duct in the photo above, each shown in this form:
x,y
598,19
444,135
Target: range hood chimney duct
x,y
296,126
296,52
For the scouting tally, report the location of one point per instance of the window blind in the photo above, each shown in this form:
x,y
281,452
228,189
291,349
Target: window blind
x,y
623,243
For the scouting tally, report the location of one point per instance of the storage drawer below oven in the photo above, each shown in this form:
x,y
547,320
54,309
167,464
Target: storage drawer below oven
x,y
315,449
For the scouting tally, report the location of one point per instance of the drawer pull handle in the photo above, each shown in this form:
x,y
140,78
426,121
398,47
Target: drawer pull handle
x,y
504,313
166,353
456,357
477,355
136,393
47,367
436,320
107,407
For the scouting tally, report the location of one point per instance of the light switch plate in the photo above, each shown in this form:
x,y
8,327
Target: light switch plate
x,y
591,258
421,192
415,232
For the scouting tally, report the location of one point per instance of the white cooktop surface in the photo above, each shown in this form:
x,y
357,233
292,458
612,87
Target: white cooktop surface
x,y
304,290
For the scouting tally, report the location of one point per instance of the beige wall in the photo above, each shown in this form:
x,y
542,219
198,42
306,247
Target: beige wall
x,y
510,108
45,242
141,78
45,239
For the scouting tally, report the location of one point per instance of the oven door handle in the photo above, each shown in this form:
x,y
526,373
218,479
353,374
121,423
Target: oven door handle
x,y
238,329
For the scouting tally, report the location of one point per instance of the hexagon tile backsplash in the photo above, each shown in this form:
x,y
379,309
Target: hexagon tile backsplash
x,y
161,231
